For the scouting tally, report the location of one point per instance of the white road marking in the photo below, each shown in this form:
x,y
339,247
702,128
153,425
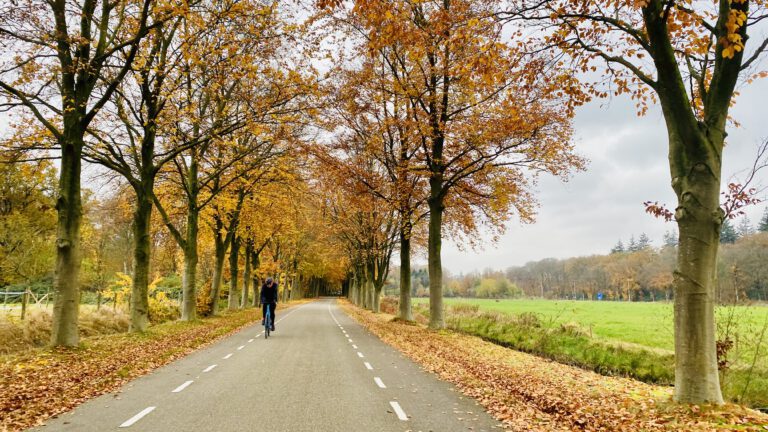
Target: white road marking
x,y
182,387
250,340
379,382
368,366
209,368
350,340
227,356
240,347
354,346
399,411
137,417
359,354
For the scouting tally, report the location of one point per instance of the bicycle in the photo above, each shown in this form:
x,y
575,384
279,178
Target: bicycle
x,y
267,322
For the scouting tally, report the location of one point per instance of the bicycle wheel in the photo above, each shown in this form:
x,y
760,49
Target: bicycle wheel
x,y
267,323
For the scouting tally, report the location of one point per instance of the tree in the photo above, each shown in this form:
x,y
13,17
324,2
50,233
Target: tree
x,y
688,57
670,238
619,248
131,142
62,75
377,121
632,246
27,220
763,226
643,242
235,77
728,234
744,228
450,62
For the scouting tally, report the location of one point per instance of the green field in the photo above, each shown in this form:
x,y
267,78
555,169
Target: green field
x,y
633,339
647,324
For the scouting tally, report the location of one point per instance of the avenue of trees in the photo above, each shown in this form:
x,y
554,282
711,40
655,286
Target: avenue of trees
x,y
236,139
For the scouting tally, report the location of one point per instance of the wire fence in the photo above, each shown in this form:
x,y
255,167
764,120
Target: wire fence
x,y
18,303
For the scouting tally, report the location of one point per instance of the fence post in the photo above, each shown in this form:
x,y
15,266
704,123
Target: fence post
x,y
24,300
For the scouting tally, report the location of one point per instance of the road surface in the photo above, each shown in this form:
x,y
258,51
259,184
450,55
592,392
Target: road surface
x,y
320,371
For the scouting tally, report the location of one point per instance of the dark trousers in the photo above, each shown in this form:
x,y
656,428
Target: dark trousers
x,y
271,311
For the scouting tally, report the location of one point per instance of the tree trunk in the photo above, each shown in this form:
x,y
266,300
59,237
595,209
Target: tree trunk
x,y
142,216
69,207
246,275
699,219
405,274
256,282
234,255
218,269
189,281
435,265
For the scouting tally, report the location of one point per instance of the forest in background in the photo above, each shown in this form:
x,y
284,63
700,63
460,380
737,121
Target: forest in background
x,y
635,272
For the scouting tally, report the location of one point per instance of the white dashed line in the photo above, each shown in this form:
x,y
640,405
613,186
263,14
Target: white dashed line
x,y
359,354
227,356
354,346
137,417
350,340
399,411
379,382
368,366
250,340
182,387
240,347
209,368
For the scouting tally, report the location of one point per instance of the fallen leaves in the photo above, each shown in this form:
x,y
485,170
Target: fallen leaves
x,y
530,393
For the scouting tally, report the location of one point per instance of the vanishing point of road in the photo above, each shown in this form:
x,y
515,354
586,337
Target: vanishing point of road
x,y
320,371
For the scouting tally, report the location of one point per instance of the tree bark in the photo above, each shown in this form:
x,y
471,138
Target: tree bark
x,y
234,255
378,284
434,260
247,274
218,269
699,219
189,281
256,282
69,207
142,216
405,273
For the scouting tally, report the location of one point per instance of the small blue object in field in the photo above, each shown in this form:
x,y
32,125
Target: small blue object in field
x,y
599,296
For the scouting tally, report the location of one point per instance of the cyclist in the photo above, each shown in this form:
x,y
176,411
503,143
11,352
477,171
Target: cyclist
x,y
269,297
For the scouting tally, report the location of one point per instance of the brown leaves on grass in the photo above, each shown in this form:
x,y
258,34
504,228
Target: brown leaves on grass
x,y
529,393
36,385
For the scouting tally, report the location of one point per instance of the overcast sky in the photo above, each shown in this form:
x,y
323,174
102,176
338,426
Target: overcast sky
x,y
628,165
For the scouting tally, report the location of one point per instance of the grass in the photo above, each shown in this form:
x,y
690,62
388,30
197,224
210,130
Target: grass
x,y
616,338
648,324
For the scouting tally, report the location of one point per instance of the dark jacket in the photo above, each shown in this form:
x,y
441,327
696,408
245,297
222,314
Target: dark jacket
x,y
269,293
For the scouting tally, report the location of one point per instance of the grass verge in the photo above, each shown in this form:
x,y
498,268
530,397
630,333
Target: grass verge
x,y
571,343
38,384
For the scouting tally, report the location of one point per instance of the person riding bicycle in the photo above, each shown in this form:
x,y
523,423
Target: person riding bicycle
x,y
269,297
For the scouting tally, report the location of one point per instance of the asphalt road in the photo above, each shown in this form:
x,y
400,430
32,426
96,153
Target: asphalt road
x,y
320,371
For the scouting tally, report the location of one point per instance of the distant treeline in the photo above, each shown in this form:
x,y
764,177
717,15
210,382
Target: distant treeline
x,y
645,274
